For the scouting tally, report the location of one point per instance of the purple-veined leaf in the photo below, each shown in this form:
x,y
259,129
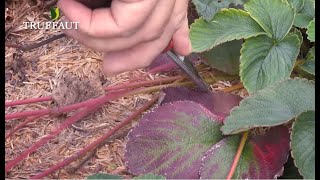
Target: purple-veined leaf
x,y
263,156
219,103
171,140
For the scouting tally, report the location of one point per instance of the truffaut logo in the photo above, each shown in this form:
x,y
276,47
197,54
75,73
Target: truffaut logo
x,y
55,13
53,24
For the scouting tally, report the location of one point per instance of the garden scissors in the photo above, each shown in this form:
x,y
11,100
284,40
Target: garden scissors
x,y
183,62
186,65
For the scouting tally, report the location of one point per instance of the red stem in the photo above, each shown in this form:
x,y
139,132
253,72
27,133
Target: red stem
x,y
20,125
27,101
55,110
97,142
142,83
94,104
81,104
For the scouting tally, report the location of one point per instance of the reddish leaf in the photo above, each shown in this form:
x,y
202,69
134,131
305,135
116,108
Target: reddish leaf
x,y
263,156
164,63
219,103
171,140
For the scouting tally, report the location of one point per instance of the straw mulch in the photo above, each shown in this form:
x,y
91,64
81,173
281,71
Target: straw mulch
x,y
39,73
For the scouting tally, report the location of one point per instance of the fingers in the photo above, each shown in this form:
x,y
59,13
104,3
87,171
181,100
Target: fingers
x,y
138,57
132,32
152,29
109,22
181,40
157,22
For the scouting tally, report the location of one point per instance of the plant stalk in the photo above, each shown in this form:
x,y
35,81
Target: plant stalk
x,y
68,122
233,88
97,142
143,83
238,154
27,101
61,109
20,125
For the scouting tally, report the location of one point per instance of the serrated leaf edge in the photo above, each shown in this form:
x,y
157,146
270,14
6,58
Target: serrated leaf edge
x,y
290,143
270,34
237,38
241,56
274,86
302,67
308,27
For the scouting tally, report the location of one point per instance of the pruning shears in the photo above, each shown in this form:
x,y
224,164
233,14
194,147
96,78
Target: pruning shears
x,y
186,65
183,62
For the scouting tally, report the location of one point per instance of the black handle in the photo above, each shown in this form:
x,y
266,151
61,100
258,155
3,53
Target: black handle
x,y
94,4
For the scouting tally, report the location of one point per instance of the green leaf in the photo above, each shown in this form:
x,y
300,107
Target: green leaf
x,y
302,20
303,144
274,16
263,156
227,25
296,4
149,176
305,15
308,8
264,62
272,106
309,64
224,57
104,176
310,31
208,8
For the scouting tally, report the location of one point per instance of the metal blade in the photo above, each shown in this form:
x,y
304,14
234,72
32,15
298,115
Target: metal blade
x,y
189,69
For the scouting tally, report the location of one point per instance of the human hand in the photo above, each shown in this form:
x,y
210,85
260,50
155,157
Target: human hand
x,y
131,33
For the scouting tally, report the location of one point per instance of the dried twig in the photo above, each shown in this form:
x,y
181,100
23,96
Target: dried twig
x,y
36,45
49,3
93,152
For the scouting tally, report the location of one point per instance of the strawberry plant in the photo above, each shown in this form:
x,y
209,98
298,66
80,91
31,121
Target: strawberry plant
x,y
193,134
216,135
